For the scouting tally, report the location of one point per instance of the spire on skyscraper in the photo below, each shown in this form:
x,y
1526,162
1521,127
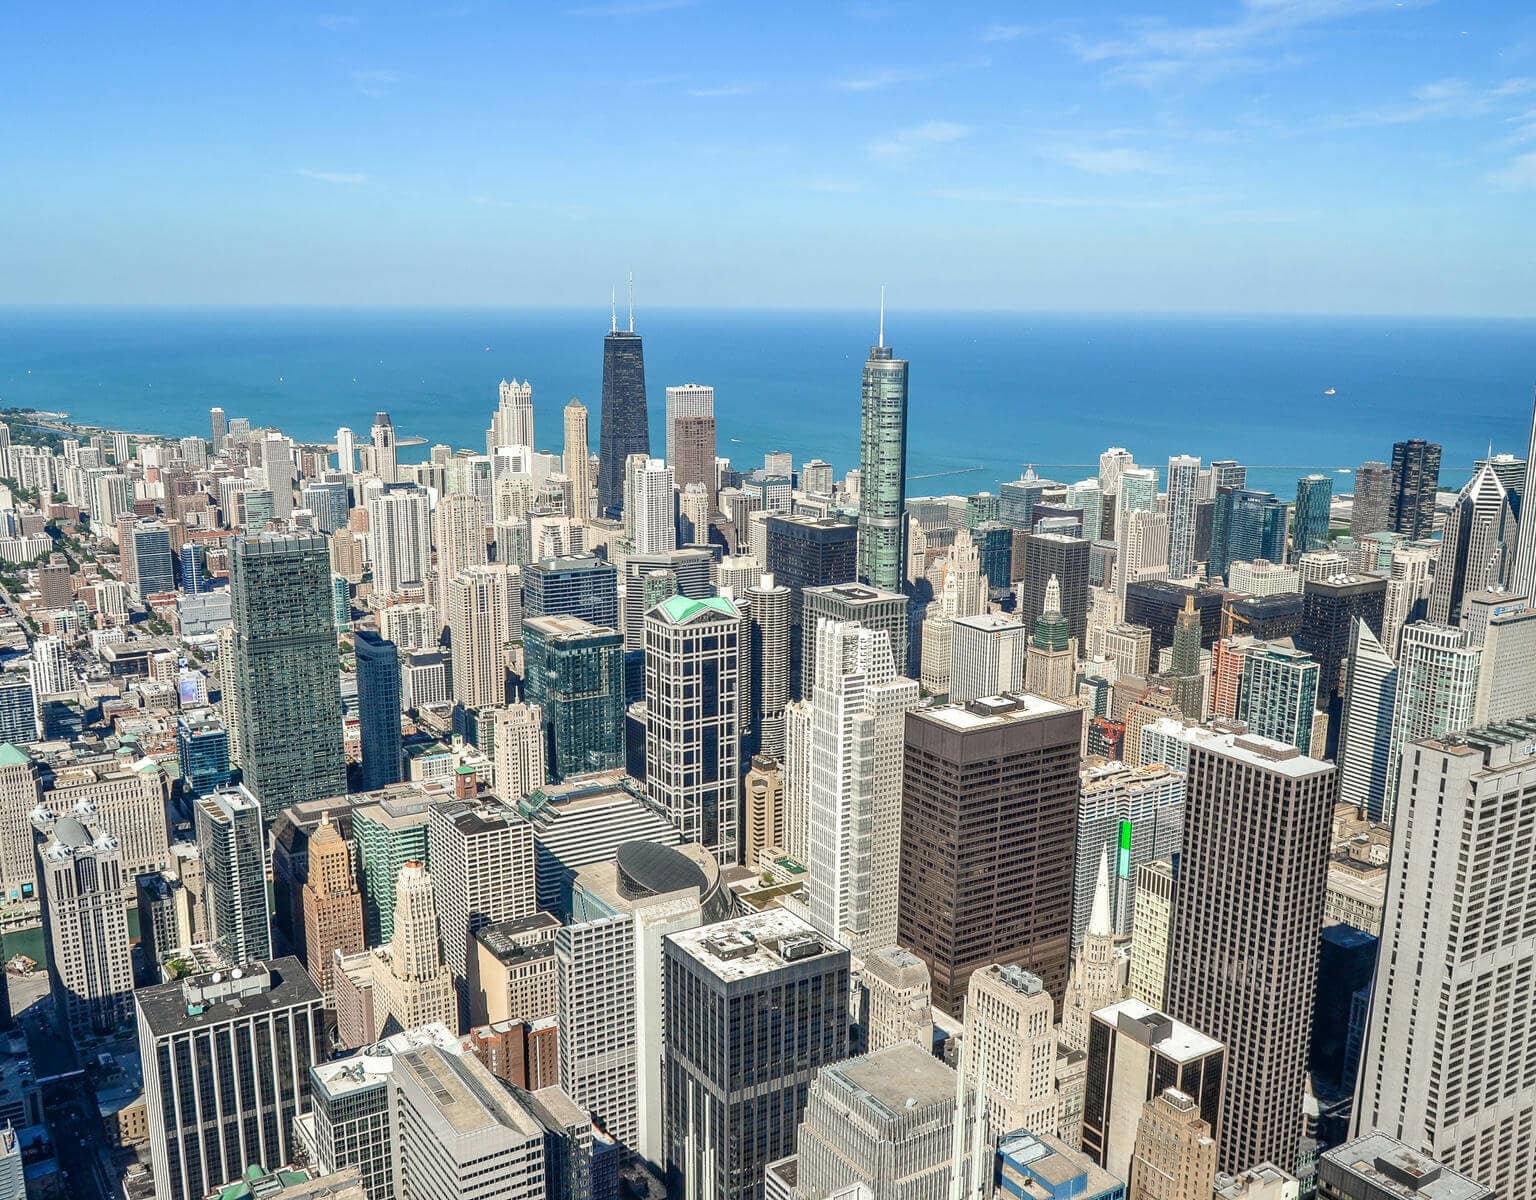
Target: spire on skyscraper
x,y
613,308
631,302
882,315
1053,595
1099,923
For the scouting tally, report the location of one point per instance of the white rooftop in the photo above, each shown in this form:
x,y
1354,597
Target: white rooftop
x,y
754,944
376,1063
993,710
1267,754
1183,1042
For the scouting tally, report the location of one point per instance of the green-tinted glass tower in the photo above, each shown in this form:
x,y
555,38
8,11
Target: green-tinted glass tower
x,y
575,671
883,468
1309,530
388,834
285,663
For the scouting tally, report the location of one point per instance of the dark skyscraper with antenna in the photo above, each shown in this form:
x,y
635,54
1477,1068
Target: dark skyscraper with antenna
x,y
626,426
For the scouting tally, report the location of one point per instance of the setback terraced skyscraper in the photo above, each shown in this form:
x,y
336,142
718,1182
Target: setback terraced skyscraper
x,y
883,467
287,684
626,428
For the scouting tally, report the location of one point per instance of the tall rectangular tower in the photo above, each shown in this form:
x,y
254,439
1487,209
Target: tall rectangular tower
x,y
883,468
625,425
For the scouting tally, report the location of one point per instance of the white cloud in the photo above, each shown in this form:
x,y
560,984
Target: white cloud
x,y
1004,33
337,22
1519,175
726,89
879,79
349,178
630,8
374,84
905,142
1442,99
1110,160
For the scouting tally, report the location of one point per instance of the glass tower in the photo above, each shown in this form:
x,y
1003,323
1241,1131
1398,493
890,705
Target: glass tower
x,y
625,425
1314,495
575,671
883,468
378,701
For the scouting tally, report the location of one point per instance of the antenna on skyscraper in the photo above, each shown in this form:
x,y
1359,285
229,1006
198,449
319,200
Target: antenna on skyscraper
x,y
613,303
631,302
882,315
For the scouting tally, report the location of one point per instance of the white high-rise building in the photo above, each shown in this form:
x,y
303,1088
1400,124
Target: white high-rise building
x,y
384,455
1436,694
277,468
412,984
1407,584
651,506
458,531
52,674
412,626
1113,464
512,422
1365,729
346,451
1143,550
399,537
1506,686
1447,1054
987,656
687,400
1477,547
519,748
475,613
1010,1034
1183,493
858,715
962,592
577,461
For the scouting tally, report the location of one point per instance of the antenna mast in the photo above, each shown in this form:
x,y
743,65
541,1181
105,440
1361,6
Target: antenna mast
x,y
882,316
613,305
631,302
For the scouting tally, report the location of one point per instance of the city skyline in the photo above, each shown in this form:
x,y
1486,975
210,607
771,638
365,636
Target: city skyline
x,y
1348,155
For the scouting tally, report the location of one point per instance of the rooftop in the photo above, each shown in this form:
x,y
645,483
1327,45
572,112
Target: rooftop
x,y
201,1001
564,627
1267,754
373,1065
991,711
679,610
893,1080
753,945
1394,1169
1172,1039
467,1096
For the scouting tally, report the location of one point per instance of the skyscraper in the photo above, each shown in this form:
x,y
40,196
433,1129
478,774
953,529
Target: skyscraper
x,y
1372,511
1136,816
576,585
858,708
478,636
755,1007
1175,1154
1314,498
512,422
233,844
883,467
651,511
1415,481
384,455
1054,556
1183,492
400,537
1365,736
153,569
870,607
988,654
333,906
287,682
85,916
518,736
1278,694
1245,929
1437,674
378,705
768,603
1477,547
1446,1051
626,427
219,427
577,459
989,803
226,1070
574,672
696,698
1329,609
412,983
805,552
458,532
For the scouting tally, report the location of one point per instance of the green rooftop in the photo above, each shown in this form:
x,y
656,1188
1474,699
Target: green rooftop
x,y
681,609
12,757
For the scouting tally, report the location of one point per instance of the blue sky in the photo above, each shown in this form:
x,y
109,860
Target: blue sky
x,y
1237,155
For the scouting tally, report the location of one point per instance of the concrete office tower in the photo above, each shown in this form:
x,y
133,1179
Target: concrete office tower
x,y
1373,500
883,1126
412,984
961,593
153,569
693,512
226,1070
328,501
85,917
1148,979
691,437
231,838
1278,694
763,802
1175,1154
1314,500
1262,578
458,531
52,672
1010,1037
378,704
1506,683
277,471
1142,548
650,512
518,739
625,425
1099,972
1135,815
478,638
898,998
219,426
414,626
576,463
1007,764
696,696
19,795
870,607
755,1007
1183,492
385,459
1135,1052
797,774
1407,590
1365,736
1265,910
1437,676
512,422
399,537
883,467
482,858
1415,483
987,655
769,604
346,452
1051,659
858,713
460,1133
609,985
1377,1166
1129,647
285,670
1441,1076
1065,559
574,672
1477,548
333,906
